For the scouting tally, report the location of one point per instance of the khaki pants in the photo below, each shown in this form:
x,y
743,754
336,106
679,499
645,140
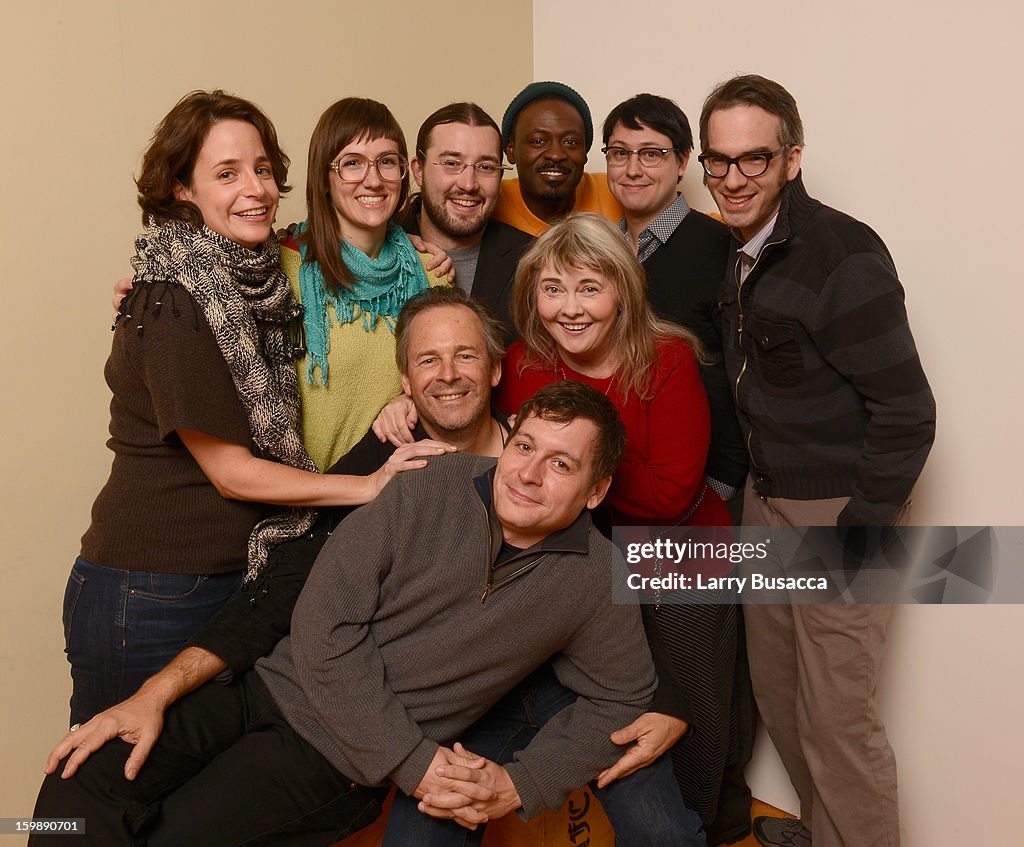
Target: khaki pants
x,y
814,669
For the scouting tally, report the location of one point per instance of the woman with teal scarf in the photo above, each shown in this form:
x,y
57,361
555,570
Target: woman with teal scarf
x,y
353,268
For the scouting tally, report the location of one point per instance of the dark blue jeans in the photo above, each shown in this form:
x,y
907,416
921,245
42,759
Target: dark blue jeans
x,y
644,808
121,627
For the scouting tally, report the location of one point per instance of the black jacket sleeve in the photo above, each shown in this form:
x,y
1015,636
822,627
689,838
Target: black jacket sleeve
x,y
259,614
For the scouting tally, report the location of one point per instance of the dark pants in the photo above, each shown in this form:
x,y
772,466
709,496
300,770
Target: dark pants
x,y
227,770
644,808
121,627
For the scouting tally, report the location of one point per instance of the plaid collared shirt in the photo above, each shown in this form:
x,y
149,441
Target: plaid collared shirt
x,y
660,229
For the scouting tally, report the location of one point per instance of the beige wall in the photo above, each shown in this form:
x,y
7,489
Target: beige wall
x,y
84,85
909,109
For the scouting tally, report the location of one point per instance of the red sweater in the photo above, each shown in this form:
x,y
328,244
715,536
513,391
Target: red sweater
x,y
667,436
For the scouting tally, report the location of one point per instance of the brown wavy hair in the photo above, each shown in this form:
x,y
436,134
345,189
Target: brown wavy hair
x,y
443,295
566,400
171,156
348,120
754,90
586,240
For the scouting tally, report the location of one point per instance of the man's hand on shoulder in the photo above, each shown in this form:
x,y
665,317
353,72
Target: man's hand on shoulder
x,y
649,736
480,790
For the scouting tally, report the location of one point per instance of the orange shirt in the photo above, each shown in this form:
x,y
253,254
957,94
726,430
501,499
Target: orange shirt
x,y
592,195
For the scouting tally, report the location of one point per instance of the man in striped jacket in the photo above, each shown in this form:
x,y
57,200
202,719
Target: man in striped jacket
x,y
838,420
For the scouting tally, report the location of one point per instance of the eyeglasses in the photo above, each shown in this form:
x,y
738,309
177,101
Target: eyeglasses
x,y
649,157
352,167
486,170
749,164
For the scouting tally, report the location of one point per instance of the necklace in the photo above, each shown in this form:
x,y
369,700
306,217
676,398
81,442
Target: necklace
x,y
561,374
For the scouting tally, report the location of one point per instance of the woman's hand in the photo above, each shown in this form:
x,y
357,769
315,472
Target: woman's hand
x,y
395,421
239,475
408,457
121,289
441,264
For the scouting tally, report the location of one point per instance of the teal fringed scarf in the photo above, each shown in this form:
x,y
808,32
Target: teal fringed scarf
x,y
381,288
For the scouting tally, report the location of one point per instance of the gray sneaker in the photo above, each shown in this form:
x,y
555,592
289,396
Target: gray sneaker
x,y
781,832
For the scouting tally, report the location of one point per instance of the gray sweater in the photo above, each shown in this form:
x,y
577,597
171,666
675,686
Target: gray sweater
x,y
397,645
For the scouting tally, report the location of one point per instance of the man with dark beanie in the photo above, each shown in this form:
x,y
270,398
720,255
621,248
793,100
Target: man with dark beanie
x,y
547,131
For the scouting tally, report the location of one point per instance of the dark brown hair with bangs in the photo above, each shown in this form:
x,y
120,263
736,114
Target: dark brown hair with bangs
x,y
171,156
348,120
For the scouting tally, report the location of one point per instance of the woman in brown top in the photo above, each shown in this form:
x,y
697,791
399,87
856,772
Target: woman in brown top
x,y
204,417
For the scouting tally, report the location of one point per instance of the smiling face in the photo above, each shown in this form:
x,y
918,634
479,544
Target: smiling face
x,y
449,375
748,203
578,307
549,151
233,184
644,192
544,478
458,207
364,208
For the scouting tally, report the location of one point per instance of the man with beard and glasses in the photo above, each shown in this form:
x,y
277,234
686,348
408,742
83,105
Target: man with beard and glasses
x,y
458,168
546,131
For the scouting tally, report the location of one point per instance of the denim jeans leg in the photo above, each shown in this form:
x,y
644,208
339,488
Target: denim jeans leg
x,y
646,808
91,637
121,627
161,614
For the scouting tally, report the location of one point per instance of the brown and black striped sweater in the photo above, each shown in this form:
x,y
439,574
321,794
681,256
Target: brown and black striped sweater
x,y
828,384
397,646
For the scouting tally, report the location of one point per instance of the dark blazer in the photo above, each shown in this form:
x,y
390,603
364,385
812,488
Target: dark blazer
x,y
684,276
500,249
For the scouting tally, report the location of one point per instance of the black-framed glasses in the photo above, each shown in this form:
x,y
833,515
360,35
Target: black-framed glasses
x,y
454,167
749,164
649,157
352,167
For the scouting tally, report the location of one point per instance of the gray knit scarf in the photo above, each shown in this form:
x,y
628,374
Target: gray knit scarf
x,y
247,301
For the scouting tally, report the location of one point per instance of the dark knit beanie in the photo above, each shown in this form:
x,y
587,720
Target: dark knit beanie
x,y
546,91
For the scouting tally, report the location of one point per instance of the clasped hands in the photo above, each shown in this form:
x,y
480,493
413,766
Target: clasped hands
x,y
471,790
467,788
